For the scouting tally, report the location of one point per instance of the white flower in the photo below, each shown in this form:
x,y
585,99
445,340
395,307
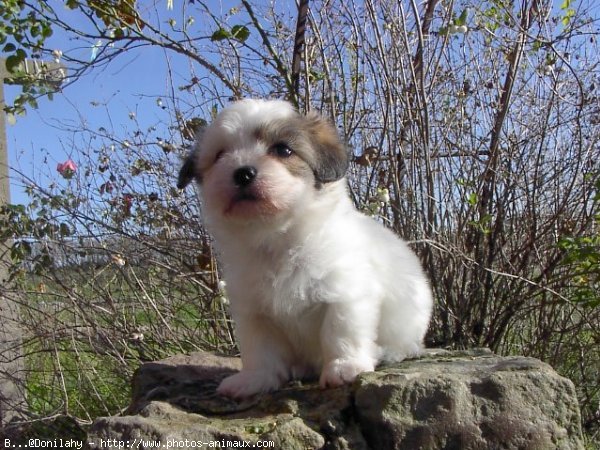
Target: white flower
x,y
383,195
462,29
138,337
169,5
223,300
57,54
221,285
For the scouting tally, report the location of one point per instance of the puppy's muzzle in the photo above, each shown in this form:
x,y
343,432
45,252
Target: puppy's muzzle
x,y
243,176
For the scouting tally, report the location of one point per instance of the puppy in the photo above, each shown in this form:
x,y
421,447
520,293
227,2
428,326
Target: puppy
x,y
315,287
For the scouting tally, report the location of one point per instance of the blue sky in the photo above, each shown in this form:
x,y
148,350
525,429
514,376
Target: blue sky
x,y
130,84
104,97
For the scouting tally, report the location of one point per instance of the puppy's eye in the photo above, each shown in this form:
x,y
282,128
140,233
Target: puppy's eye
x,y
219,155
281,150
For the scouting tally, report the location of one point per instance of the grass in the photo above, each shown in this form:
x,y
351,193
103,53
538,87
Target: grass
x,y
83,350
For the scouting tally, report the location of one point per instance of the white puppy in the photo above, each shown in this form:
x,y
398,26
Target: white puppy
x,y
315,286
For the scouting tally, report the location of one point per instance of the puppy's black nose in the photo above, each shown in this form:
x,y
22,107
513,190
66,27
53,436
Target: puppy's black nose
x,y
243,176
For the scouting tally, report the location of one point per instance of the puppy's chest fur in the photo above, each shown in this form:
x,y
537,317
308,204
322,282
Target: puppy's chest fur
x,y
278,284
285,286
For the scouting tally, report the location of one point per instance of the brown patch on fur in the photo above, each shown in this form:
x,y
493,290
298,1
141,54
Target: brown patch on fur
x,y
318,150
297,166
284,132
314,140
331,155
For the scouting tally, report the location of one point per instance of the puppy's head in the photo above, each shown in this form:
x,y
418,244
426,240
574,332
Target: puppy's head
x,y
261,158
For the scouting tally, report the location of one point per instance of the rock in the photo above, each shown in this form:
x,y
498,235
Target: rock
x,y
443,400
483,402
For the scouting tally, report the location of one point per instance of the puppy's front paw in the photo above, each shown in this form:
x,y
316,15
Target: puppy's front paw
x,y
248,382
341,371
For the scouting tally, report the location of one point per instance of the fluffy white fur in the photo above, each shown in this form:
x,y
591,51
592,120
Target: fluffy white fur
x,y
315,287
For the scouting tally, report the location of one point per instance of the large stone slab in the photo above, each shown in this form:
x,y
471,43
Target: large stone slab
x,y
458,402
444,400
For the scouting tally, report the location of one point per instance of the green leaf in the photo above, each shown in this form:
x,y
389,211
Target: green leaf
x,y
472,199
569,14
566,4
550,59
14,61
315,75
220,35
46,30
462,20
33,103
64,230
9,48
240,33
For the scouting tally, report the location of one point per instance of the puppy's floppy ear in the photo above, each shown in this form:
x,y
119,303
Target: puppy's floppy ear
x,y
187,171
330,160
